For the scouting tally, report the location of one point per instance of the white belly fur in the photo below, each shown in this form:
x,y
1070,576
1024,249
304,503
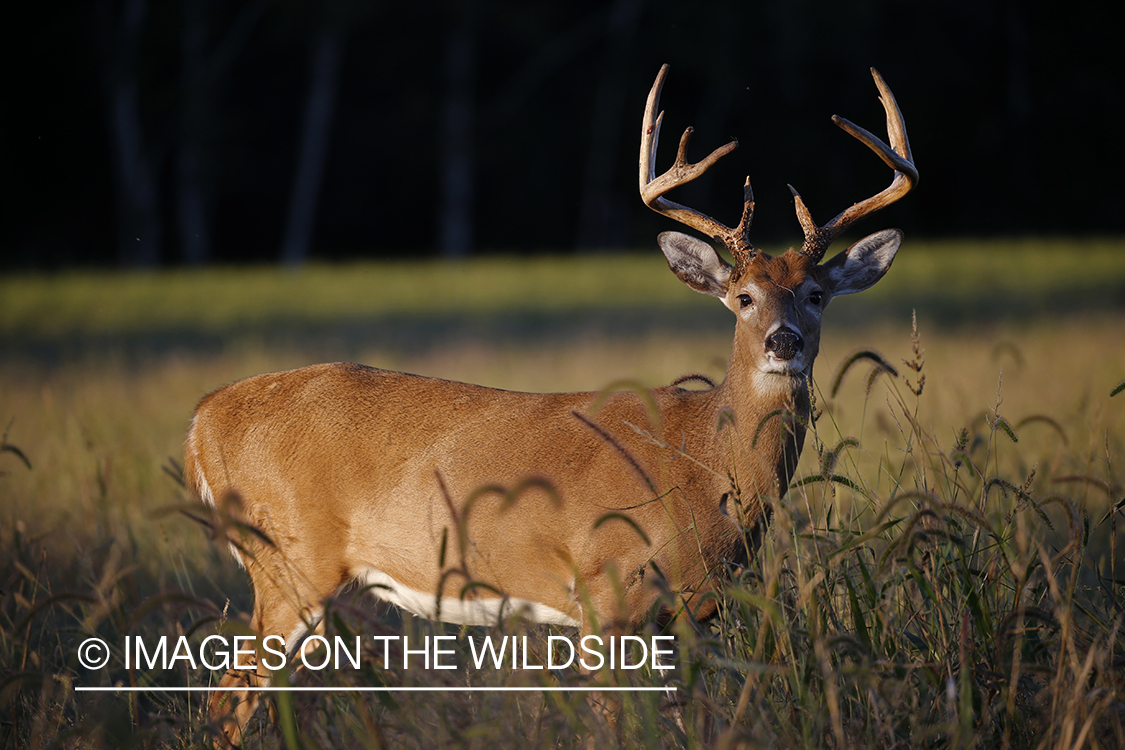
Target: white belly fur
x,y
455,610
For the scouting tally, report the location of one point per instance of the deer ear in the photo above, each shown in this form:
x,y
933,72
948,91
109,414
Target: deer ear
x,y
864,263
695,263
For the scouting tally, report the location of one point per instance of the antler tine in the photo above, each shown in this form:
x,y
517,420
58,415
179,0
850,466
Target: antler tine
x,y
653,188
896,156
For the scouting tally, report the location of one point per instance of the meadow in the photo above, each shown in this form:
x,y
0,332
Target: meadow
x,y
946,571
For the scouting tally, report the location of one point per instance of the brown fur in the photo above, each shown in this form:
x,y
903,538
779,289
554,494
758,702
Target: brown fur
x,y
341,465
591,512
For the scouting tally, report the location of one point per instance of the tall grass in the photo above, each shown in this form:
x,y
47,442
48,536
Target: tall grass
x,y
954,601
945,571
926,592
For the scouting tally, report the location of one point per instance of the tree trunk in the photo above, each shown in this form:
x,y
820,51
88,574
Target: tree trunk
x,y
599,223
458,165
138,205
327,54
206,57
191,193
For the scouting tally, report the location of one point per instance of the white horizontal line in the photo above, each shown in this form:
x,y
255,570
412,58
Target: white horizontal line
x,y
275,689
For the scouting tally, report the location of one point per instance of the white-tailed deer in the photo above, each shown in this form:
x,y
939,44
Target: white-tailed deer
x,y
466,504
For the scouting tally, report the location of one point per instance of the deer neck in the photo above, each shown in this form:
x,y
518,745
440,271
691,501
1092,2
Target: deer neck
x,y
765,430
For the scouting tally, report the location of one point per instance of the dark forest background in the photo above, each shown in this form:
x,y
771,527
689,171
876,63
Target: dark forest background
x,y
165,132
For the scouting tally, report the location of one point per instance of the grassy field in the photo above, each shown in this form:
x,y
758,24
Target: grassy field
x,y
947,570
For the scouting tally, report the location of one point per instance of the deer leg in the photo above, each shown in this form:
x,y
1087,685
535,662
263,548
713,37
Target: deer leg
x,y
610,603
286,603
231,711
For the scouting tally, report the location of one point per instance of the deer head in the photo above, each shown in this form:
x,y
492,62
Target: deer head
x,y
778,300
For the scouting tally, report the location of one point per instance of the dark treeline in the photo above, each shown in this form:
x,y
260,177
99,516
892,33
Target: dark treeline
x,y
149,132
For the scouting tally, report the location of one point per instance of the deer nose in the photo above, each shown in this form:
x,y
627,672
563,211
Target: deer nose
x,y
785,344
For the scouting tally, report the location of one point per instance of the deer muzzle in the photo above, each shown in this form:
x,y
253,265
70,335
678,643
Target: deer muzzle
x,y
785,344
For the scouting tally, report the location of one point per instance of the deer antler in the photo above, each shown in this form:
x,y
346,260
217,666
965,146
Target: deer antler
x,y
682,172
896,156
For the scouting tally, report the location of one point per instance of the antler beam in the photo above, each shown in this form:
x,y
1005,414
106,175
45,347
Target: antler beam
x,y
653,188
896,156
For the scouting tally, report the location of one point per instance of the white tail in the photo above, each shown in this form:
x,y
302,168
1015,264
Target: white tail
x,y
563,507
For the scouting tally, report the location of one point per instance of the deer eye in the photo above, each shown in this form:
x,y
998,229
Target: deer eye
x,y
745,300
816,298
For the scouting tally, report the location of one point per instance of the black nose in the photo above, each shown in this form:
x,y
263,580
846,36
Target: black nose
x,y
785,344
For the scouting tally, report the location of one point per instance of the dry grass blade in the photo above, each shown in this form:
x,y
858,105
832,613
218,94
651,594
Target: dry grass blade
x,y
865,354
